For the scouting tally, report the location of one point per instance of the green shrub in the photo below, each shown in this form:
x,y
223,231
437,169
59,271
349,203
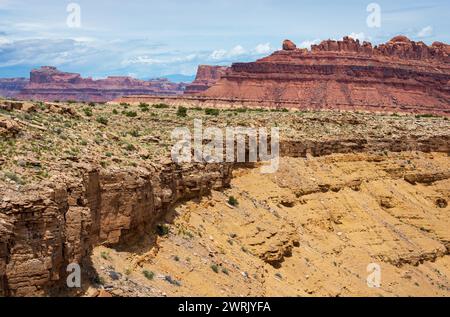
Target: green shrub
x,y
161,106
87,112
91,104
130,114
130,147
102,120
212,112
14,177
215,268
162,230
182,112
135,133
144,107
149,275
115,111
233,201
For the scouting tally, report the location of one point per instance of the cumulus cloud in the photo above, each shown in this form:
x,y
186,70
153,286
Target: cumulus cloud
x,y
359,36
307,44
263,48
425,32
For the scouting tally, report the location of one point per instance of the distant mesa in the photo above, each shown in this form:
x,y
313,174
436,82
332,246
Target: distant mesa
x,y
48,84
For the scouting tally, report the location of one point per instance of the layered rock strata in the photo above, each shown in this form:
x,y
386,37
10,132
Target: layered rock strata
x,y
50,84
206,77
398,76
10,87
44,229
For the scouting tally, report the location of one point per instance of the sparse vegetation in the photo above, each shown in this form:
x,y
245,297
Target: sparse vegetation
x,y
149,275
87,112
215,268
105,255
212,112
162,230
130,114
161,106
182,112
102,120
233,201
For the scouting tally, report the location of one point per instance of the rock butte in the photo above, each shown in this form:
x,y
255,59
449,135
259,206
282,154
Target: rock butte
x,y
399,76
206,77
49,84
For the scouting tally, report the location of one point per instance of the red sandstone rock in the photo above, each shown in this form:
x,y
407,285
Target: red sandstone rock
x,y
401,75
206,77
289,45
49,84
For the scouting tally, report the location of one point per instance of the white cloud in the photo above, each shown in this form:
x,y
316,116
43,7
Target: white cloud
x,y
237,51
4,40
218,54
426,32
263,48
358,36
222,54
307,44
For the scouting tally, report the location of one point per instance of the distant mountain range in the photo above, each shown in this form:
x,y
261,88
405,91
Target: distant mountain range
x,y
179,78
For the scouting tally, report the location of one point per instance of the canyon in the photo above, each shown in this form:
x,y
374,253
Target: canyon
x,y
398,76
352,189
49,84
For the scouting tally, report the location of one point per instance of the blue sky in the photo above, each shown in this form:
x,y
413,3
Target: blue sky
x,y
147,38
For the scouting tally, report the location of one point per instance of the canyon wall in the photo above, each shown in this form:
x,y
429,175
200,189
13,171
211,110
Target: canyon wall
x,y
206,77
401,75
50,84
44,229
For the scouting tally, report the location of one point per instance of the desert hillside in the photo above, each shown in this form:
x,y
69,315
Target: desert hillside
x,y
94,184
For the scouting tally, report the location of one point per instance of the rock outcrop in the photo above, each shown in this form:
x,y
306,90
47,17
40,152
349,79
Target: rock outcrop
x,y
50,84
45,229
206,77
401,75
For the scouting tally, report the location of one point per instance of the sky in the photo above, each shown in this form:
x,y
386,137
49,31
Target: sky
x,y
148,38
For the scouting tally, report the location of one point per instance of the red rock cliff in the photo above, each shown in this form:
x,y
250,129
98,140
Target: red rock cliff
x,y
206,77
49,84
401,75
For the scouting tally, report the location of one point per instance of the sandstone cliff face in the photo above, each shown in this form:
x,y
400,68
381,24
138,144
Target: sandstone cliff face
x,y
44,230
49,84
206,77
400,75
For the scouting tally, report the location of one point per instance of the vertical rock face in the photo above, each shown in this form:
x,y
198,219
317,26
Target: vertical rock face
x,y
400,75
45,229
49,84
206,77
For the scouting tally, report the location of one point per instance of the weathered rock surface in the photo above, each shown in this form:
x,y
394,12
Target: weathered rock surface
x,y
206,77
401,75
310,229
44,230
50,84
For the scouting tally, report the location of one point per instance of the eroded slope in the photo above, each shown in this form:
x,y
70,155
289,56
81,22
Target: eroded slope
x,y
310,229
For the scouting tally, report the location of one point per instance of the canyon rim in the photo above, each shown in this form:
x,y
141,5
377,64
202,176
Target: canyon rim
x,y
312,168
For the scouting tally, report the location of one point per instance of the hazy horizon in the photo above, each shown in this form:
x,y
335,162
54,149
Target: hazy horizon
x,y
149,39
